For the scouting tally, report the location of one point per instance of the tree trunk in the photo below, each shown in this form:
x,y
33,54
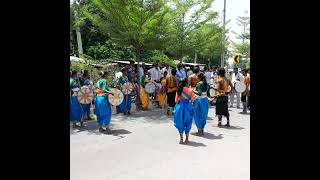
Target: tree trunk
x,y
138,54
195,58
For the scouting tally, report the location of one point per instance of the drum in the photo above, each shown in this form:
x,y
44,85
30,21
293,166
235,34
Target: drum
x,y
150,88
85,95
117,97
127,88
240,86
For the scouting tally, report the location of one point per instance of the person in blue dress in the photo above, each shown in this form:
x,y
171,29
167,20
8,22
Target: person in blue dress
x,y
183,111
201,104
76,111
102,106
86,107
125,106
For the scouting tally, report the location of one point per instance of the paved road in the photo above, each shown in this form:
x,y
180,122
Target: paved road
x,y
144,146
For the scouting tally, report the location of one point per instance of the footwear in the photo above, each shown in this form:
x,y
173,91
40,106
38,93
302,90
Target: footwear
x,y
228,124
219,124
81,124
168,111
101,130
202,133
125,112
129,113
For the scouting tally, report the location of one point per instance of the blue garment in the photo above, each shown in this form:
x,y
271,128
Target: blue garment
x,y
201,107
183,114
181,74
122,106
86,109
102,110
76,111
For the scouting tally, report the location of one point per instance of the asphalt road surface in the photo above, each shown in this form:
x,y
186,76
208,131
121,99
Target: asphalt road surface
x,y
144,146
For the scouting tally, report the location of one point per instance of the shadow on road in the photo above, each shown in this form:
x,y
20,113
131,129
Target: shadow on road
x,y
208,135
233,127
157,116
195,144
92,128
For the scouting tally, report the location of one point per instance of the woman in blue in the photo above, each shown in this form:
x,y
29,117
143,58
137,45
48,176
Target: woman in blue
x,y
125,106
183,110
86,107
102,106
201,105
76,111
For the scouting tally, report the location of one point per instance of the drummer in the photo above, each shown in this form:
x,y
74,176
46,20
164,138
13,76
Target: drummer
x,y
162,95
102,106
171,84
76,111
86,107
125,105
222,97
236,76
246,81
201,104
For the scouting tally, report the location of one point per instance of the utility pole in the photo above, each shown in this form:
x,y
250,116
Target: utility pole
x,y
223,36
79,40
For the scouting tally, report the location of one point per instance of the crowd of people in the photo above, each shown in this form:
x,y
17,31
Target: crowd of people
x,y
183,92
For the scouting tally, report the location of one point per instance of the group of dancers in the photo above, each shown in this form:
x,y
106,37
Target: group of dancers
x,y
185,94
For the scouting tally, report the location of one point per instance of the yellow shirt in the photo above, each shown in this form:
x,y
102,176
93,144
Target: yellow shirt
x,y
171,83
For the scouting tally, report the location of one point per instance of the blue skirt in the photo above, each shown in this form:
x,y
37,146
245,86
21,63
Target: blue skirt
x,y
86,109
102,110
125,103
183,114
201,108
76,111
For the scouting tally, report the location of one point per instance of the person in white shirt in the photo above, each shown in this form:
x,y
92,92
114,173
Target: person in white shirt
x,y
167,69
141,72
236,76
207,74
155,73
155,76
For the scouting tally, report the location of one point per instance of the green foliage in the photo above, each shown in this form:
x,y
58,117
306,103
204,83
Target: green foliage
x,y
156,56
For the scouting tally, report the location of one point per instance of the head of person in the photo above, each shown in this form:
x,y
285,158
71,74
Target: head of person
x,y
214,68
191,68
74,74
124,72
179,66
182,83
205,68
131,63
196,70
165,74
245,71
221,72
166,65
143,65
202,78
134,79
235,70
173,72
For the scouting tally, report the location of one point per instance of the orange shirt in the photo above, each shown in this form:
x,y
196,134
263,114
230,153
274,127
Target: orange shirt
x,y
222,86
246,81
189,95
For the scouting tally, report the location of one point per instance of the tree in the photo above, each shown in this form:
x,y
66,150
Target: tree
x,y
243,48
199,14
138,23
